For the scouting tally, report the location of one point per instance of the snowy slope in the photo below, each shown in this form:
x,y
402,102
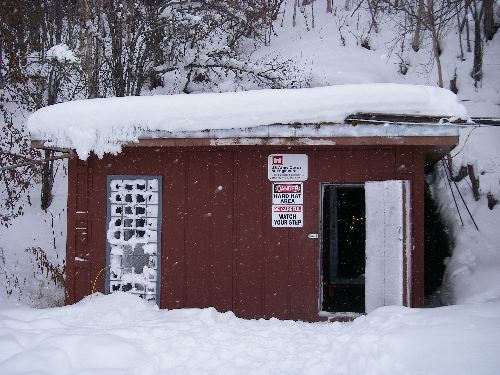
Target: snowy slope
x,y
331,53
473,271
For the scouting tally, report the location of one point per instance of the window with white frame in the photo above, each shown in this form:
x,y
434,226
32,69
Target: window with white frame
x,y
133,236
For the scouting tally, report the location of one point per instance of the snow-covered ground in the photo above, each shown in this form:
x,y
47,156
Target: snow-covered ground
x,y
122,334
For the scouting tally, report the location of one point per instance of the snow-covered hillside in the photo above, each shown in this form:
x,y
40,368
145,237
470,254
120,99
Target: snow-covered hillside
x,y
331,53
473,271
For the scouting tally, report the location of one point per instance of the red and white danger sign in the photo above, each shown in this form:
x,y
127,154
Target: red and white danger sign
x,y
288,216
288,193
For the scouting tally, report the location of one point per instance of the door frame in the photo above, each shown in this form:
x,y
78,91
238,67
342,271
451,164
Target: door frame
x,y
322,186
406,243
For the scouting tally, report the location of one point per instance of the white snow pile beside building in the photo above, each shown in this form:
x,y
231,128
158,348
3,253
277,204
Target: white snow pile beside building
x,y
122,334
473,271
104,125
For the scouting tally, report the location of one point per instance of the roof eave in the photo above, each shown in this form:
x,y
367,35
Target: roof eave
x,y
437,138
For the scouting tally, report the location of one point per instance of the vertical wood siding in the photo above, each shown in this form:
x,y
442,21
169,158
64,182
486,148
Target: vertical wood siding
x,y
219,248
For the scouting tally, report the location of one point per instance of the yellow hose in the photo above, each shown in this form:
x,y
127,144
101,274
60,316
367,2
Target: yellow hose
x,y
95,281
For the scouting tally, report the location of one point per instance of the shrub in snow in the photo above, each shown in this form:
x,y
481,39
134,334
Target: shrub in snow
x,y
41,285
15,148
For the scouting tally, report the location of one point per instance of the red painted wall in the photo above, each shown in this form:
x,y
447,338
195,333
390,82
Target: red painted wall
x,y
218,246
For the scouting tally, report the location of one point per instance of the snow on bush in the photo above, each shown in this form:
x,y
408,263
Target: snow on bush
x,y
62,53
33,250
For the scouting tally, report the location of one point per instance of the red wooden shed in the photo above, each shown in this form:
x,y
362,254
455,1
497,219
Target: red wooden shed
x,y
299,220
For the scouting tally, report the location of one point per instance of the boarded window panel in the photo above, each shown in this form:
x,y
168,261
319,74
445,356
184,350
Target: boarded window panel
x,y
133,230
386,218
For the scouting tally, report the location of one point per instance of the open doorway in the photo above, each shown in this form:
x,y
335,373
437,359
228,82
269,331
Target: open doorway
x,y
343,248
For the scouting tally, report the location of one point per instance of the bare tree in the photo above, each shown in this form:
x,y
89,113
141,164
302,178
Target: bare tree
x,y
329,6
415,44
432,16
91,45
489,19
435,39
14,148
477,10
35,76
460,25
373,7
204,47
295,4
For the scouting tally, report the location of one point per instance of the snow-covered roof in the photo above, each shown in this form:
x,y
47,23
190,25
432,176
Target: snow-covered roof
x,y
104,125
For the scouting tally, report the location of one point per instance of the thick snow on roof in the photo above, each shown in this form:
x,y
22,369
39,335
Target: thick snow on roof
x,y
103,125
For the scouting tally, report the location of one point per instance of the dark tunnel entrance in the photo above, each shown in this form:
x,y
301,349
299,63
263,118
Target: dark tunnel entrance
x,y
436,249
343,248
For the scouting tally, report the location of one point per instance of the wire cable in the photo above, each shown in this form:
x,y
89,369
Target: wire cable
x,y
452,193
465,204
466,139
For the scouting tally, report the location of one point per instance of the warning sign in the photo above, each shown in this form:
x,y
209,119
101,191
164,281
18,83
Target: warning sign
x,y
287,167
288,216
288,193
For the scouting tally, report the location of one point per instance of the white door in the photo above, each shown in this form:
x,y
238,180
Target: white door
x,y
388,244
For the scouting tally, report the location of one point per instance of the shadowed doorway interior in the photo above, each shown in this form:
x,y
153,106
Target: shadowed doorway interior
x,y
343,248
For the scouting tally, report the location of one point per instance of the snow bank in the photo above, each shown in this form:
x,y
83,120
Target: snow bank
x,y
122,334
473,271
104,125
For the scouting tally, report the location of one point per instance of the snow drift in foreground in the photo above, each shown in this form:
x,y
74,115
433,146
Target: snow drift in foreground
x,y
104,125
122,334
